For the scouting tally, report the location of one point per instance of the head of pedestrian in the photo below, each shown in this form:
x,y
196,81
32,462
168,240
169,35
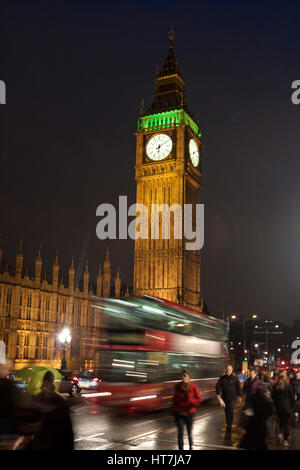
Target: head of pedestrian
x,y
48,382
253,373
5,366
185,376
267,377
282,381
298,375
229,369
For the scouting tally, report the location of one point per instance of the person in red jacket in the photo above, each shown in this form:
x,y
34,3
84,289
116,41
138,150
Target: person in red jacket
x,y
186,397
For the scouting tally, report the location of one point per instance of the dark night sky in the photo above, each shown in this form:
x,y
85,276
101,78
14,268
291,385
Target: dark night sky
x,y
75,74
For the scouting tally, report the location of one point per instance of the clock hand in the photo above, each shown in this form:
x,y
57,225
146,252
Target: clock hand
x,y
164,143
160,145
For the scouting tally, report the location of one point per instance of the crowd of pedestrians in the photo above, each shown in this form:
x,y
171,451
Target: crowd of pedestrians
x,y
269,401
268,398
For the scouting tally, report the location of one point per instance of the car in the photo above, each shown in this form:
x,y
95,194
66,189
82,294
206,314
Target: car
x,y
11,375
30,379
69,383
89,379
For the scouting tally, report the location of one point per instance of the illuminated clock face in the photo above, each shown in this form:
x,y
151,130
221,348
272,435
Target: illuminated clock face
x,y
159,147
194,152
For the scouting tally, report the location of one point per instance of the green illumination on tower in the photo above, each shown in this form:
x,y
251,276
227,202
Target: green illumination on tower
x,y
173,118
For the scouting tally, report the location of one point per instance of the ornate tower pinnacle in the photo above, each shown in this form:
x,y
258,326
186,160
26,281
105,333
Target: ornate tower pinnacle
x,y
20,249
38,267
19,259
106,265
106,275
169,91
118,284
72,275
55,271
171,36
99,282
86,278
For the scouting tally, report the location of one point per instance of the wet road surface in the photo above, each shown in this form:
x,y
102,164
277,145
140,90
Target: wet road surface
x,y
99,428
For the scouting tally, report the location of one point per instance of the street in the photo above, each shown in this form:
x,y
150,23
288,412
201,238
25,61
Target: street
x,y
99,428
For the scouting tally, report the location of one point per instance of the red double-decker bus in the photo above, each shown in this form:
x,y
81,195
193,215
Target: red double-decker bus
x,y
147,342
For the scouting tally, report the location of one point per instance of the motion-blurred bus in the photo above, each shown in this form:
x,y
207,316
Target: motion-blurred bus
x,y
147,342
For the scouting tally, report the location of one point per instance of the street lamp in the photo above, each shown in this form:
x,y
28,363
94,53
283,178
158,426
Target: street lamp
x,y
245,319
65,338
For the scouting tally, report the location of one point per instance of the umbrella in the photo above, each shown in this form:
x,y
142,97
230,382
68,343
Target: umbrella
x,y
32,378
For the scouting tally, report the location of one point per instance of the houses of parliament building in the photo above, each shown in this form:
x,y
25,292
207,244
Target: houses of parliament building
x,y
35,309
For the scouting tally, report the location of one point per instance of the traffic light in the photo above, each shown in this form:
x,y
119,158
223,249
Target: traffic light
x,y
245,358
245,351
282,363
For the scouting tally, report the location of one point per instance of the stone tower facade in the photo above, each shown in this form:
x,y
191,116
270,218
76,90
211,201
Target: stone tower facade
x,y
168,171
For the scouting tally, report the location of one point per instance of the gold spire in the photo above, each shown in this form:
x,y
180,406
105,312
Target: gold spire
x,y
171,36
56,259
20,249
106,265
87,266
142,107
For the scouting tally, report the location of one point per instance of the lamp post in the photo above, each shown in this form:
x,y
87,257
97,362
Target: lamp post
x,y
244,319
64,338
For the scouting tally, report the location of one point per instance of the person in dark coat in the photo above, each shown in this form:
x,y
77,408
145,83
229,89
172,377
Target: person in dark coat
x,y
258,424
268,381
284,402
10,409
250,387
297,398
185,399
228,392
292,379
54,427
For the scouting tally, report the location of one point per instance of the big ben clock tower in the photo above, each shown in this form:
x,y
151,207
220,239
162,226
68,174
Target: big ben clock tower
x,y
168,171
